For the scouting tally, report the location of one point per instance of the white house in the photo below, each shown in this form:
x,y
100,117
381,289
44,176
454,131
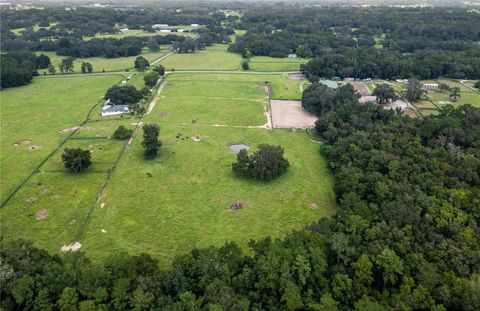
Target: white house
x,y
165,30
430,85
193,25
110,110
292,55
181,30
402,80
159,25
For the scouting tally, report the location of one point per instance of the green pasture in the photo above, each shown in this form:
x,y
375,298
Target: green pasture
x,y
186,200
215,57
39,115
266,63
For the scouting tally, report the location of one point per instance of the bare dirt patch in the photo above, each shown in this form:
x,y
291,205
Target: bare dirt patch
x,y
367,98
22,142
313,205
290,114
40,215
296,76
70,129
72,247
396,104
33,147
162,114
237,205
360,87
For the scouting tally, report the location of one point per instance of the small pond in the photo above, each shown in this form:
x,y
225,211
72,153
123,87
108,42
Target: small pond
x,y
237,147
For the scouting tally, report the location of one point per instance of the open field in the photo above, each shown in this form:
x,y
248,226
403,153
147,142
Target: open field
x,y
266,63
467,96
192,180
39,116
214,57
107,64
186,201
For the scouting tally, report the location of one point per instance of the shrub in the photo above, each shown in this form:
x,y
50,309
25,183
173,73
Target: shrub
x,y
266,164
76,160
122,133
245,65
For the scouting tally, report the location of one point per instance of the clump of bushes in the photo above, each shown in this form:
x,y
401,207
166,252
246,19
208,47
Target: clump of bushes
x,y
76,159
150,142
265,164
122,133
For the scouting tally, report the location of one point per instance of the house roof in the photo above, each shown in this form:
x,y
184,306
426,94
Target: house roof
x,y
115,109
331,84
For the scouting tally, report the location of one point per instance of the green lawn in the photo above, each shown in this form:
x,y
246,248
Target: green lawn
x,y
265,63
213,57
37,114
467,96
107,64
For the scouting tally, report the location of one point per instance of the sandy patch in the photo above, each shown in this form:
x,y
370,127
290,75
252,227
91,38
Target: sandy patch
x,y
162,114
367,98
33,147
72,221
40,215
72,247
196,138
313,205
296,76
22,142
102,205
103,231
290,114
444,102
360,87
70,129
396,104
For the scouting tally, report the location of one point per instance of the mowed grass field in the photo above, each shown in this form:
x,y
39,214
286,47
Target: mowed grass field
x,y
38,116
467,95
181,199
105,64
215,57
266,63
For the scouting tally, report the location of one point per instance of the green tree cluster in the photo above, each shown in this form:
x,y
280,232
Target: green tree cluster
x,y
266,163
76,160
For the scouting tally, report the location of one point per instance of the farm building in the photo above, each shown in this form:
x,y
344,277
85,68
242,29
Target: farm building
x,y
329,83
110,110
292,55
193,25
430,85
159,25
165,30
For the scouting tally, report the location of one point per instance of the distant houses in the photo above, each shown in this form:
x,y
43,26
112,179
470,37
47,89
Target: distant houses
x,y
293,55
430,85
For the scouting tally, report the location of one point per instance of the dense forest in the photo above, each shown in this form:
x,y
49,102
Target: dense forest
x,y
368,42
406,235
18,68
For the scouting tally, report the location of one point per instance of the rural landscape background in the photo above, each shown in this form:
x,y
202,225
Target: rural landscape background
x,y
240,155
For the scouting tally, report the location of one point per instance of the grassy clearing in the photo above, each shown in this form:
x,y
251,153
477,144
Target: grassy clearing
x,y
214,57
282,87
265,63
185,202
106,64
66,197
467,96
51,105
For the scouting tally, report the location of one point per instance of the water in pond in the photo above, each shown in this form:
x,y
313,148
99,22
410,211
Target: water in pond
x,y
237,147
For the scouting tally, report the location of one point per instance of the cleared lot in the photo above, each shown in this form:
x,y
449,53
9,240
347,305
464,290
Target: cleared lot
x,y
290,114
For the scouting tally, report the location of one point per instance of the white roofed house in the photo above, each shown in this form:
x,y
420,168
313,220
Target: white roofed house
x,y
110,109
430,85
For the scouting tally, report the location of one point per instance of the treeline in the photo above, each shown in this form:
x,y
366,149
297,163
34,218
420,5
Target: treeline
x,y
107,47
373,63
405,237
368,42
18,68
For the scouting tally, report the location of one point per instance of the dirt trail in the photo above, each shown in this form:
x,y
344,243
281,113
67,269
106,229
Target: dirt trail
x,y
154,101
